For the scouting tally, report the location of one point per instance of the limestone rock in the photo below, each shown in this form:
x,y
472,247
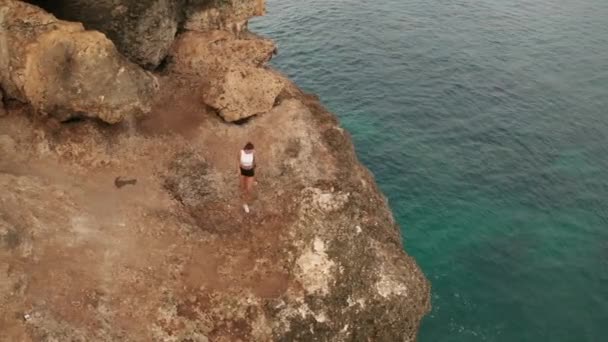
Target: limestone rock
x,y
205,15
142,30
243,91
204,52
237,84
319,257
64,70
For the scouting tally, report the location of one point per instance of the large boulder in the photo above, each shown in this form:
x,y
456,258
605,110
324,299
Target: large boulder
x,y
63,70
236,84
243,91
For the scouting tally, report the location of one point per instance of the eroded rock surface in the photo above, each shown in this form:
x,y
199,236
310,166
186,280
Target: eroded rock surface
x,y
204,53
220,50
63,70
236,84
174,257
243,91
143,30
319,257
232,15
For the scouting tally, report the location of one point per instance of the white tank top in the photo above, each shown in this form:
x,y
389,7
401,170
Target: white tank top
x,y
246,159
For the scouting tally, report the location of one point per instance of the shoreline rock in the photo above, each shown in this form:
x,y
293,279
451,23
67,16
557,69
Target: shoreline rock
x,y
230,15
226,93
173,257
236,84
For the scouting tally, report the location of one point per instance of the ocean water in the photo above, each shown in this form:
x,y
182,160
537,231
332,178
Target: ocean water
x,y
485,123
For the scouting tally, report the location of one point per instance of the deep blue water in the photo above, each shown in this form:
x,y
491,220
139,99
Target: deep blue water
x,y
486,125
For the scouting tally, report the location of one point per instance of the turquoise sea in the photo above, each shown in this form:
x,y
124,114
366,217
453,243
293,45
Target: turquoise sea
x,y
486,125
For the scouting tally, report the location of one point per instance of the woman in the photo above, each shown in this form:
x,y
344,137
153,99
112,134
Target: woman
x,y
247,171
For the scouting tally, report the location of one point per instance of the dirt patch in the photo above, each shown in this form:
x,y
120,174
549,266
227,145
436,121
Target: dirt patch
x,y
293,148
11,239
188,179
201,271
271,285
177,110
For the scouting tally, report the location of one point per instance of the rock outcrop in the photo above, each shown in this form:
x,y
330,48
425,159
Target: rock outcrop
x,y
63,70
236,84
143,30
232,15
203,53
242,92
173,257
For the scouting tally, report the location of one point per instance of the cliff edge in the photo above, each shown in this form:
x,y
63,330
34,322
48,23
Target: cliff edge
x,y
120,217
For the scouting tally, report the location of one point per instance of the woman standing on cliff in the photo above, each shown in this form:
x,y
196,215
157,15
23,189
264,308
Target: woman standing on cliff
x,y
247,171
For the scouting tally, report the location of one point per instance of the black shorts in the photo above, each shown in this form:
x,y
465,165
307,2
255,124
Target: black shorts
x,y
247,172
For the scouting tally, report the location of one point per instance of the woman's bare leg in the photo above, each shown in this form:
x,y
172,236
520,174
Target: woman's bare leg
x,y
249,191
243,188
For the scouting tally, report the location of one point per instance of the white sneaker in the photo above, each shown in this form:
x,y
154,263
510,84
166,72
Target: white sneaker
x,y
246,208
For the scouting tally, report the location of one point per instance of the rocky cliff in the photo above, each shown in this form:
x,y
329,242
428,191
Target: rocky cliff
x,y
120,216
